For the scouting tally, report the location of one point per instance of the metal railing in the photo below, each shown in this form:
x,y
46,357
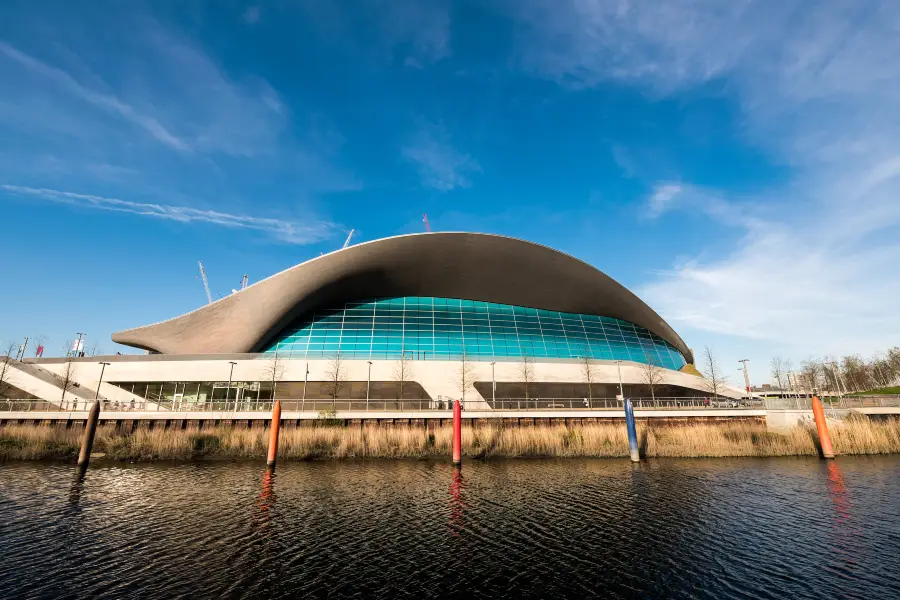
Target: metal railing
x,y
662,403
328,405
805,403
500,404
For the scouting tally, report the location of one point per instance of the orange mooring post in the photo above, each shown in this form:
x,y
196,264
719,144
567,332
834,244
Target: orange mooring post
x,y
457,433
273,435
822,428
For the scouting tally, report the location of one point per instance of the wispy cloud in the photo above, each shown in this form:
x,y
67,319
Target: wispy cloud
x,y
101,100
251,15
440,165
308,232
661,199
184,101
818,92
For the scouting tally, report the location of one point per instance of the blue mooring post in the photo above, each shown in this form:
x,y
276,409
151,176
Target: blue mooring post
x,y
632,432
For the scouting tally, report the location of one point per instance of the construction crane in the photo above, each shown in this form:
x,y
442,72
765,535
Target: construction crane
x,y
347,243
425,220
205,282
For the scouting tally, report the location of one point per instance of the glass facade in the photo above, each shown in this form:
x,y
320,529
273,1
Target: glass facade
x,y
446,328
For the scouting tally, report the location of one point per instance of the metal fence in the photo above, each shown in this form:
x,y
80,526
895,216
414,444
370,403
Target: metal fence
x,y
504,404
328,405
805,403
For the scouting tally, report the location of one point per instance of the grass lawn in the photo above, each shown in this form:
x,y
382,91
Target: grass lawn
x,y
880,391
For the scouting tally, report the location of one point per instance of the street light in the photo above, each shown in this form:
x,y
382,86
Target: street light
x,y
619,369
305,381
228,389
493,385
369,384
102,368
746,376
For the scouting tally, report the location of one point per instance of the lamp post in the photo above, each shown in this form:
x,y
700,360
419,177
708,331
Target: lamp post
x,y
228,389
369,384
305,381
78,344
619,369
837,379
493,387
744,361
102,369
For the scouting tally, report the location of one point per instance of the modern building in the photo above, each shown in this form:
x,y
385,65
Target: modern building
x,y
420,318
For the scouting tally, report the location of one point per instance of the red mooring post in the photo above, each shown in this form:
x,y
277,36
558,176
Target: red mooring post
x,y
273,434
822,428
457,433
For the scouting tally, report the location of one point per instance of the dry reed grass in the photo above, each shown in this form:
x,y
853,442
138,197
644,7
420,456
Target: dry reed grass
x,y
854,436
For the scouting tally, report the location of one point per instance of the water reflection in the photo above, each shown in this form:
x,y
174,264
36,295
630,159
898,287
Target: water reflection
x,y
457,503
840,497
731,529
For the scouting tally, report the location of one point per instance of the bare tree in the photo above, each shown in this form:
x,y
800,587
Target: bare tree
x,y
779,371
790,377
67,378
94,350
715,381
526,374
810,371
402,373
465,375
588,373
274,372
6,370
337,378
652,374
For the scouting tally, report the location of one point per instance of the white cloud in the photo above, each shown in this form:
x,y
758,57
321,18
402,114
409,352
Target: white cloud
x,y
308,232
814,265
440,166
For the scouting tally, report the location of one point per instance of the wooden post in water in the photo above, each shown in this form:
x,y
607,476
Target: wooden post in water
x,y
87,440
273,434
457,433
632,432
822,428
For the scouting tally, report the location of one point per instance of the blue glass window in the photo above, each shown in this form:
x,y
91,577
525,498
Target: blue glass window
x,y
444,328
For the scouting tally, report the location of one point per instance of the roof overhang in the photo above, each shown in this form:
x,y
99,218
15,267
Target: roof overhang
x,y
470,266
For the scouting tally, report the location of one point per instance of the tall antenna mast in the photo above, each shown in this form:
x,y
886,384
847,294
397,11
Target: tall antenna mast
x,y
425,220
347,243
205,282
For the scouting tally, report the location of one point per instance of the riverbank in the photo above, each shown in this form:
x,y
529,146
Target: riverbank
x,y
589,440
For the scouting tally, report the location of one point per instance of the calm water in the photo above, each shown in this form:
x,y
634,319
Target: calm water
x,y
785,528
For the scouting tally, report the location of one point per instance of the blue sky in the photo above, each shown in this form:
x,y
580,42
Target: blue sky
x,y
735,164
